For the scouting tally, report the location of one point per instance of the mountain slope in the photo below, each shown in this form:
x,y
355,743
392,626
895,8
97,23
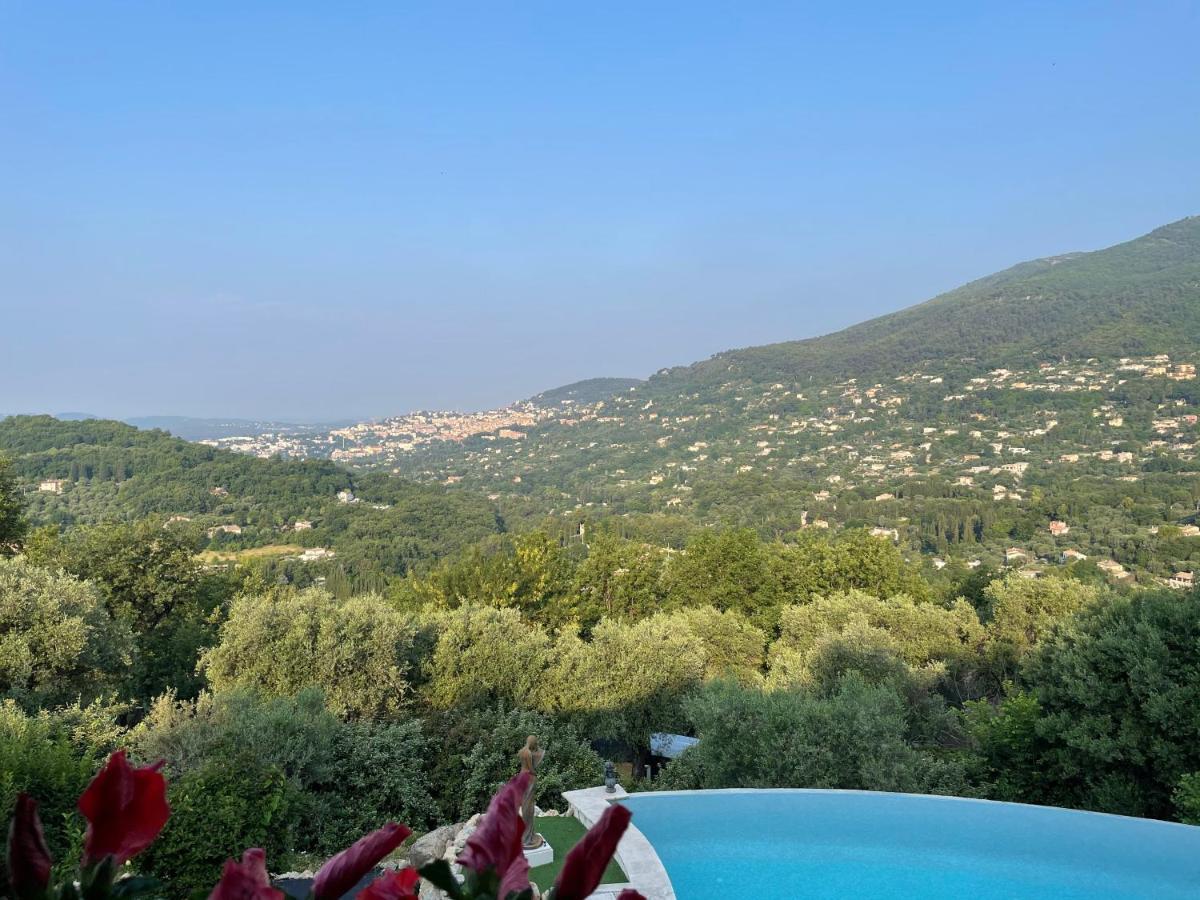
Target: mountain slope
x,y
591,390
1136,298
962,427
104,471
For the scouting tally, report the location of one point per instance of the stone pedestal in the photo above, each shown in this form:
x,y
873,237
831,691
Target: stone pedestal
x,y
541,855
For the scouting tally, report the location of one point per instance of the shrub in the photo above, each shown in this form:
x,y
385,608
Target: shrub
x,y
569,763
38,757
321,782
853,736
218,809
379,773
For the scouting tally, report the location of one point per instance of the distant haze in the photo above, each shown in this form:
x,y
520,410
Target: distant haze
x,y
316,212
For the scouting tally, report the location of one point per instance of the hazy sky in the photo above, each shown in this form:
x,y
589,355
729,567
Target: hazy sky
x,y
318,210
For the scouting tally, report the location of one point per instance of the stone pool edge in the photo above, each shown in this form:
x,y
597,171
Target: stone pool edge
x,y
635,854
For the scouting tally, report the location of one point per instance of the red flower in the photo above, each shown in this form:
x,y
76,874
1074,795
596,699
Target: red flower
x,y
630,894
585,864
398,884
28,857
496,844
246,880
126,808
342,872
516,879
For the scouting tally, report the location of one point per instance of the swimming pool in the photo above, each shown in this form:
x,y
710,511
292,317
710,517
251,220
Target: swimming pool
x,y
728,845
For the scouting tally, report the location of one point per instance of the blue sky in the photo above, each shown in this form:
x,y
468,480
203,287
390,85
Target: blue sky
x,y
319,210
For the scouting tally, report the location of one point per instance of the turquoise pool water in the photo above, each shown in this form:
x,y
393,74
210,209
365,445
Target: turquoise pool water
x,y
728,845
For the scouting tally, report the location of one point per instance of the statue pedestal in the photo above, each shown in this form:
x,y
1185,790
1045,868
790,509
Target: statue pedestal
x,y
539,856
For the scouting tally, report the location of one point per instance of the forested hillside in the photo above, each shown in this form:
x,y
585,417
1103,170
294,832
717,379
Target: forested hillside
x,y
584,392
1134,299
1059,391
88,472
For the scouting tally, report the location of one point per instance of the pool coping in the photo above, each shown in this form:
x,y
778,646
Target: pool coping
x,y
635,854
947,797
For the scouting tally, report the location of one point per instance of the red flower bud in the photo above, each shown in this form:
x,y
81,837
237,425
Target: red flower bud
x,y
126,808
246,880
496,844
28,857
398,884
585,864
342,872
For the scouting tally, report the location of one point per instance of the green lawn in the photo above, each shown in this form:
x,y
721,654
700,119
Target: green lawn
x,y
563,833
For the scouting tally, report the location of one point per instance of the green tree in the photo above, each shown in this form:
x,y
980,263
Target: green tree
x,y
733,647
819,565
362,652
1119,690
726,569
12,510
1023,611
1187,798
920,634
629,680
619,579
150,580
58,642
1008,753
484,654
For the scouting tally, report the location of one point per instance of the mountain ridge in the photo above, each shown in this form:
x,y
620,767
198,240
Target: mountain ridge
x,y
1109,278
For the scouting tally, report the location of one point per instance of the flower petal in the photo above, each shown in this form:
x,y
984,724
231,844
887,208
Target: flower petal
x,y
28,856
343,872
401,884
125,807
247,880
496,843
585,864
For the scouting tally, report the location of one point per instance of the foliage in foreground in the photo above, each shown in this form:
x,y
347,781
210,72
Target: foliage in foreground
x,y
126,810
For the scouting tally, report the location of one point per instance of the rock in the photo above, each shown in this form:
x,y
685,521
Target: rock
x,y
429,847
551,813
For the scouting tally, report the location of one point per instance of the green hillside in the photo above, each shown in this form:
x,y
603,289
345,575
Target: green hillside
x,y
962,426
592,390
1136,298
111,471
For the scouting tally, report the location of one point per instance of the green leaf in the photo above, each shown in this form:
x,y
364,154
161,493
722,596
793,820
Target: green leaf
x,y
136,886
438,874
95,881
